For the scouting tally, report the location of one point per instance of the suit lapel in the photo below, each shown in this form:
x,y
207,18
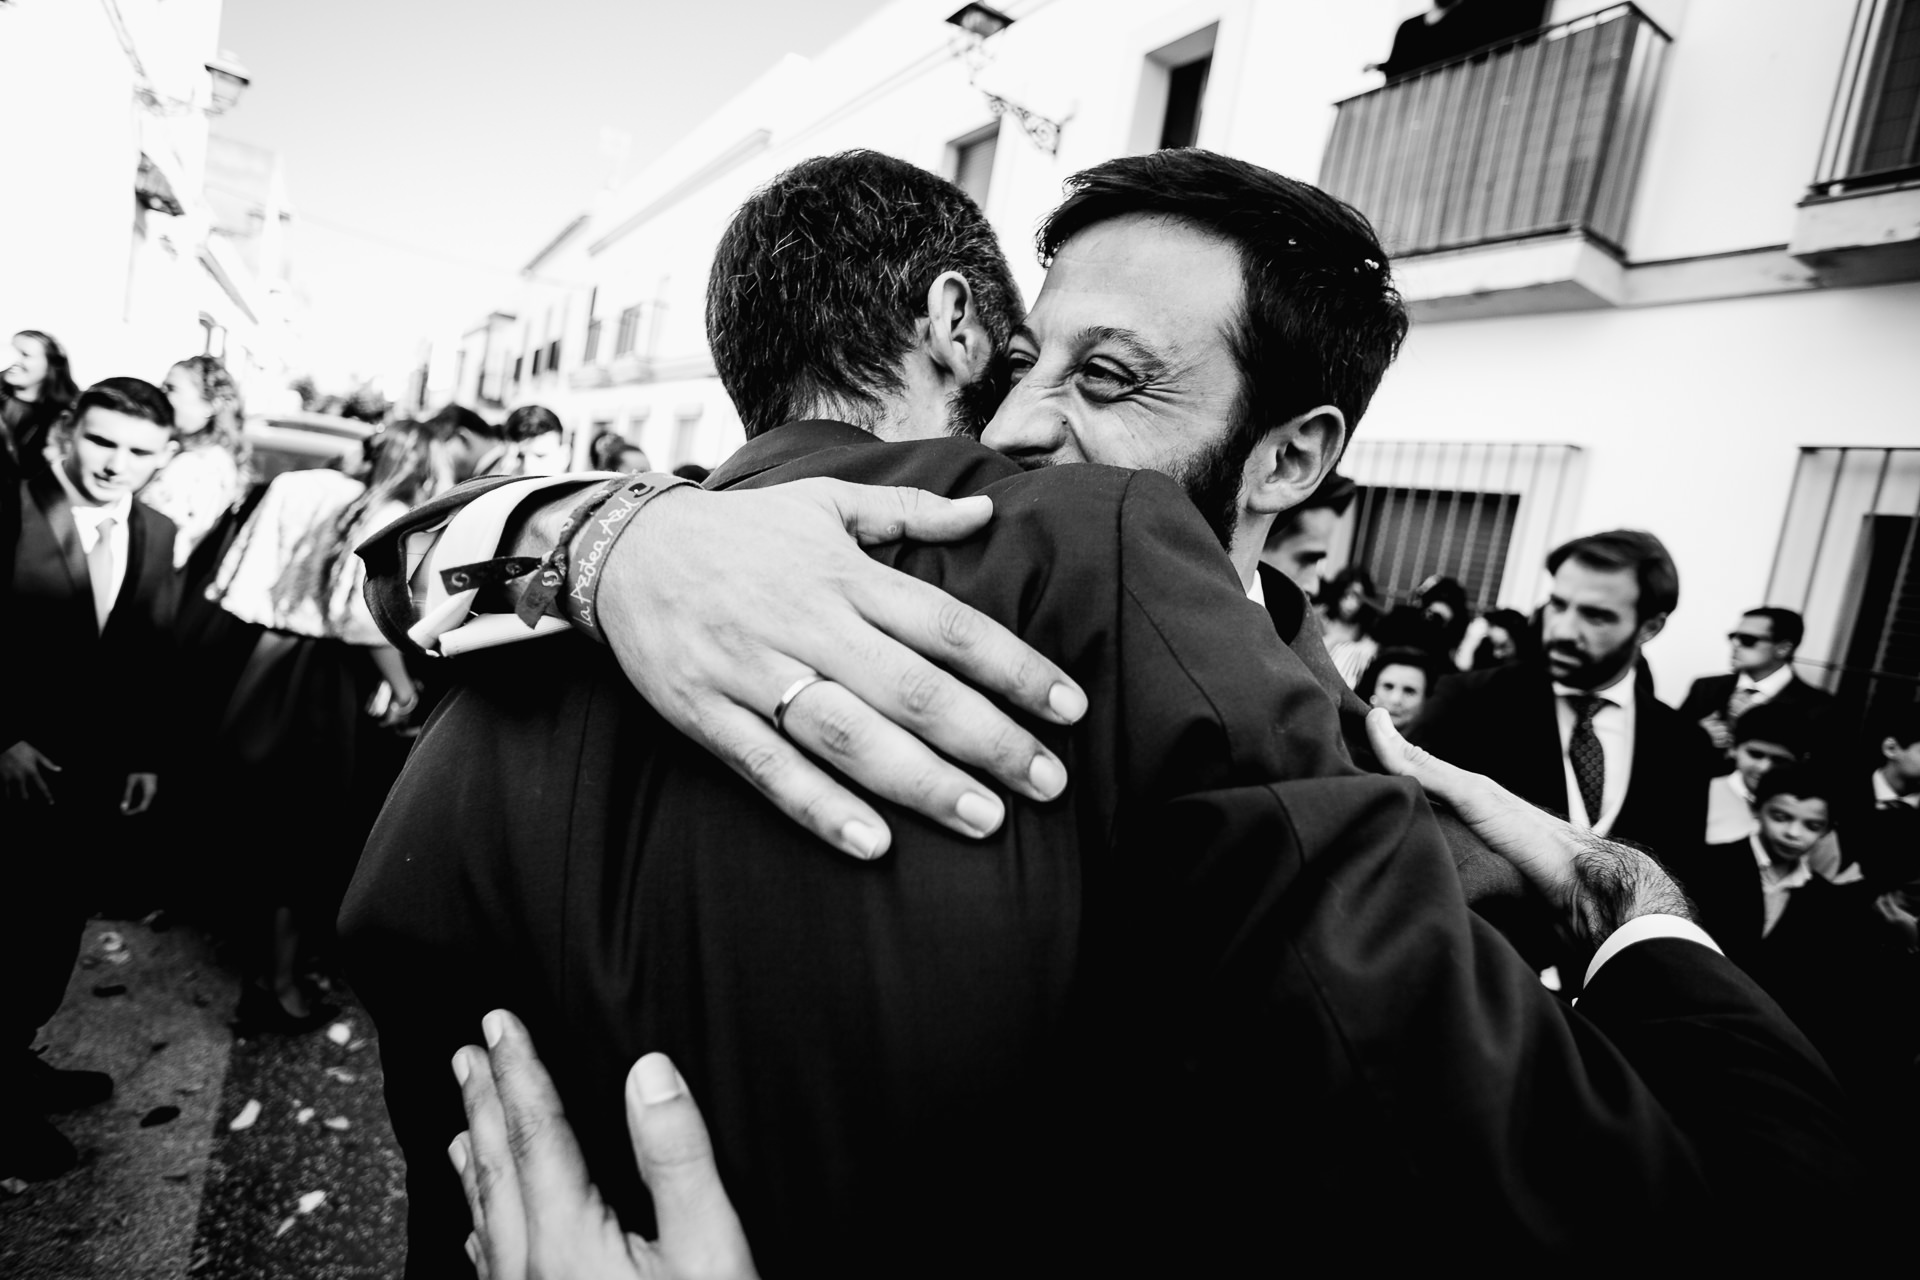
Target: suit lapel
x,y
1543,713
138,541
58,514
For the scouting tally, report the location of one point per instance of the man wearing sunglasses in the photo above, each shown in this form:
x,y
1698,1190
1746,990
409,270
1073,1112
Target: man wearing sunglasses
x,y
1760,653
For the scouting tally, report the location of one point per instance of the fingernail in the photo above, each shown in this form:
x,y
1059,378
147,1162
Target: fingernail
x,y
1067,702
655,1081
460,1067
457,1152
862,839
492,1027
1048,776
978,503
980,813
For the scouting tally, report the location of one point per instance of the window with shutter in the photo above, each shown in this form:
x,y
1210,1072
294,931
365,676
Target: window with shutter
x,y
1849,562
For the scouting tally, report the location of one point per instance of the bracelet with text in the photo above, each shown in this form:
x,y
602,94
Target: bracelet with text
x,y
550,573
593,539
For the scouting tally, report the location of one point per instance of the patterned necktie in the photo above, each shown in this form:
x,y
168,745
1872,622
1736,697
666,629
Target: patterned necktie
x,y
1583,749
1741,700
100,572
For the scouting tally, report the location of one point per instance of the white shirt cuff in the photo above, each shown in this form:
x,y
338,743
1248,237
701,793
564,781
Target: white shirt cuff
x,y
1641,928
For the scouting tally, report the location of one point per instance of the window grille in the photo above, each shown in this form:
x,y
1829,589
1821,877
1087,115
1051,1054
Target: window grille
x,y
592,349
1873,128
1848,562
629,330
1485,514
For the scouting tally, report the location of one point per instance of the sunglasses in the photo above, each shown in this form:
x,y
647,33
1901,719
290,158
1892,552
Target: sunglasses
x,y
1747,639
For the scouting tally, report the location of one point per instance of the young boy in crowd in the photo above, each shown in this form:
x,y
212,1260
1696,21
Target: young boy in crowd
x,y
1765,738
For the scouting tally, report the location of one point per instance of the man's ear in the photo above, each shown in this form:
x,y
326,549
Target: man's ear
x,y
957,340
1888,747
1652,627
1292,459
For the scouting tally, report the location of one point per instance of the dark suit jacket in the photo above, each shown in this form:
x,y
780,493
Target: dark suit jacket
x,y
1222,1000
1501,722
89,699
1826,960
1711,694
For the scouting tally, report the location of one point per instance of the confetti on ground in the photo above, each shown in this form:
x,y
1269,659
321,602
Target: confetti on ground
x,y
119,957
285,1226
356,1046
159,1115
248,1114
340,1033
339,1124
305,1114
13,1186
341,1074
311,1201
111,942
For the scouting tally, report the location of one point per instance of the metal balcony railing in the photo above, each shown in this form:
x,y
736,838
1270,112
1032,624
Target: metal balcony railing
x,y
1538,134
1873,128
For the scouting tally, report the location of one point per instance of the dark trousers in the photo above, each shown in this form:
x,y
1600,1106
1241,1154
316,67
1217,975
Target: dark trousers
x,y
53,861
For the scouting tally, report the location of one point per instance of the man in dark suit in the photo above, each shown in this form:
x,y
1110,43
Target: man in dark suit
x,y
1761,654
1579,735
1284,935
85,644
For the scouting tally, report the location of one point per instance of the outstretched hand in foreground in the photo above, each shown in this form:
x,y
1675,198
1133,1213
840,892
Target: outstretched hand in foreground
x,y
536,1214
1597,884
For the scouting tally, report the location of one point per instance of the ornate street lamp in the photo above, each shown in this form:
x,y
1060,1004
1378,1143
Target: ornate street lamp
x,y
981,23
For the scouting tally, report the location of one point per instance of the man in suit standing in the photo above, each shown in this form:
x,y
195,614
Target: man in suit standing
x,y
1579,735
85,646
1761,652
1283,934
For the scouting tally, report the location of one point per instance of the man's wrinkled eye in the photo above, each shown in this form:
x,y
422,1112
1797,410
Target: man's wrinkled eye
x,y
1018,362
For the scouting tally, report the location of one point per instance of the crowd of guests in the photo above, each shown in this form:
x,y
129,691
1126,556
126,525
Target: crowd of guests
x,y
213,718
1798,839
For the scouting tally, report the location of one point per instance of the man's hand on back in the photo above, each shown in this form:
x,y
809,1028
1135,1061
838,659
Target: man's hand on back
x,y
1597,884
723,601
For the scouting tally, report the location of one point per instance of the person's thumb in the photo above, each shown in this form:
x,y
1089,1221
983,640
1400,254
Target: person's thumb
x,y
699,1232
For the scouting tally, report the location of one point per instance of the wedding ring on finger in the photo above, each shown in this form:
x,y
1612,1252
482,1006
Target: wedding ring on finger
x,y
786,701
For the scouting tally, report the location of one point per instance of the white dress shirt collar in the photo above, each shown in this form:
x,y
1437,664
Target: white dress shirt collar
x,y
1883,792
1768,689
1257,591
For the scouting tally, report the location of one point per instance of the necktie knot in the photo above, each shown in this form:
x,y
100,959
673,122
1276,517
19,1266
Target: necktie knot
x,y
1587,705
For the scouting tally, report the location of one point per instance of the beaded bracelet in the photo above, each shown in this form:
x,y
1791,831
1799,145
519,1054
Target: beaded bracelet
x,y
599,525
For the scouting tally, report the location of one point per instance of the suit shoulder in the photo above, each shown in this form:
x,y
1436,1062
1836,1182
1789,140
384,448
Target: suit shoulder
x,y
158,524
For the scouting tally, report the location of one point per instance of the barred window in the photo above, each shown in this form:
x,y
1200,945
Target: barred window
x,y
1485,514
1848,562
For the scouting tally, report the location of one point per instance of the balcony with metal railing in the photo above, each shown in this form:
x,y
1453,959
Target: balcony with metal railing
x,y
1860,222
1530,146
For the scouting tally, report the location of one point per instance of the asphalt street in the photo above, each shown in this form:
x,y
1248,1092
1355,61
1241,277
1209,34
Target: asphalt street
x,y
217,1156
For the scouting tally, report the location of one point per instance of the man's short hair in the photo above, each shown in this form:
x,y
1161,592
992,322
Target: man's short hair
x,y
1634,549
1319,319
1334,494
1801,781
1770,722
1788,626
455,418
820,281
1904,725
531,421
134,397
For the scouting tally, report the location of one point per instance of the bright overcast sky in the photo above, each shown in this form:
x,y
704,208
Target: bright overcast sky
x,y
433,146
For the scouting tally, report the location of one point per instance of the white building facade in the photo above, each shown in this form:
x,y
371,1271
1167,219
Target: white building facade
x,y
131,234
1664,264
